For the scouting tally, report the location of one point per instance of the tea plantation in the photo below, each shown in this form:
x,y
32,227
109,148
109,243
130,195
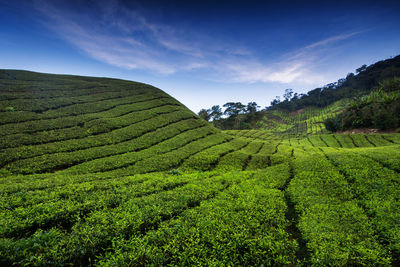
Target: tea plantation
x,y
106,172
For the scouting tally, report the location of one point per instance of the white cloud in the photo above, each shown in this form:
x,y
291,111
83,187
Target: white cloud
x,y
331,39
123,39
300,66
126,38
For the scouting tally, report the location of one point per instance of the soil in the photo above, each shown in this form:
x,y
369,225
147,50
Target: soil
x,y
296,112
368,131
278,119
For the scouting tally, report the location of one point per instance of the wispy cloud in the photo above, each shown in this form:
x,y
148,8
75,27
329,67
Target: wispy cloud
x,y
330,40
298,66
124,37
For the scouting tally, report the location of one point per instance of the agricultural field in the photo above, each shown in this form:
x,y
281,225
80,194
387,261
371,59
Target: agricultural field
x,y
106,172
303,122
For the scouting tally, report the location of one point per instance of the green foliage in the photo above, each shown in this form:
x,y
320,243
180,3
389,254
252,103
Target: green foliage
x,y
334,124
367,78
337,229
379,109
374,184
137,180
390,85
204,114
9,109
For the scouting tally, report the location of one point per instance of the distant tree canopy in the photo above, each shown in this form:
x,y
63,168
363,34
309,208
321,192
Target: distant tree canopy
x,y
352,86
379,109
239,116
234,108
276,101
204,114
361,69
235,116
213,113
252,107
288,94
216,112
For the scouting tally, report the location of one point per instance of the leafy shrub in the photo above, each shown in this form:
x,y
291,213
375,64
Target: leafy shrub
x,y
390,85
333,124
380,109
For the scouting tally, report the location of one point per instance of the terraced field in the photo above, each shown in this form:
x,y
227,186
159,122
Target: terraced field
x,y
82,125
302,122
107,172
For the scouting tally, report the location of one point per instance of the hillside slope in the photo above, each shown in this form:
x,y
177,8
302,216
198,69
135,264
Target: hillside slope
x,y
366,79
81,124
128,176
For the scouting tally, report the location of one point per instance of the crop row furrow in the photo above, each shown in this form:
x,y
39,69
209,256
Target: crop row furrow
x,y
174,158
337,140
65,211
352,140
377,191
133,217
107,155
387,156
75,110
260,148
292,216
233,159
107,141
386,138
38,94
43,106
122,160
71,191
60,181
282,153
43,125
208,158
92,128
243,225
323,141
329,140
369,141
252,150
378,140
337,230
359,140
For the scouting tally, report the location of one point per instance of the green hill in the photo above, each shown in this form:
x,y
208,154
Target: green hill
x,y
300,114
106,172
354,85
79,124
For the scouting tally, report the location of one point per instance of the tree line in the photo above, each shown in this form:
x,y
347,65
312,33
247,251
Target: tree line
x,y
234,116
240,116
357,84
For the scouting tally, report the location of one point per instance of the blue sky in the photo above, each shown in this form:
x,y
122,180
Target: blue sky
x,y
201,52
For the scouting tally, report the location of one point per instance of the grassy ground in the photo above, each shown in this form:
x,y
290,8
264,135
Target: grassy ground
x,y
112,173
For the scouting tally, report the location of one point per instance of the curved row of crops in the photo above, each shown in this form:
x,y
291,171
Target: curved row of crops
x,y
107,172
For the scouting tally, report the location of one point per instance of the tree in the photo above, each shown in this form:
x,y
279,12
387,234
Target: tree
x,y
330,86
361,69
340,82
288,94
233,108
216,112
276,100
204,114
252,107
349,76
